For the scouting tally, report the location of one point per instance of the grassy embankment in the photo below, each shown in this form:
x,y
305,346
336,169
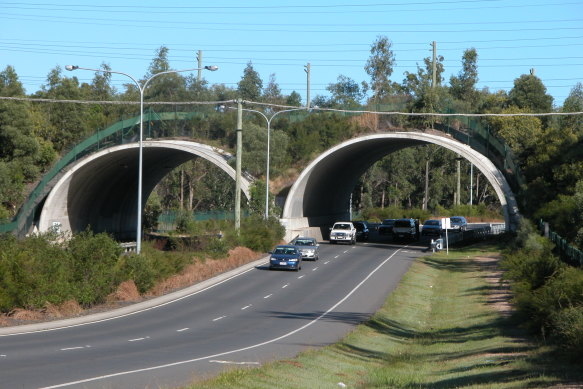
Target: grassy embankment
x,y
445,326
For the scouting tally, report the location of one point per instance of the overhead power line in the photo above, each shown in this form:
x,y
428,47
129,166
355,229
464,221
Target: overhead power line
x,y
67,101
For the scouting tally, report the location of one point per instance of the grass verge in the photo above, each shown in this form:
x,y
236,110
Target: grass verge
x,y
439,329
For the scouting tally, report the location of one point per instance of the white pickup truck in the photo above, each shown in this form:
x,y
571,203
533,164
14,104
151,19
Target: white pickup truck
x,y
343,232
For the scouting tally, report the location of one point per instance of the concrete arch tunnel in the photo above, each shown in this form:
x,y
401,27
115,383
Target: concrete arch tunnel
x,y
100,189
321,195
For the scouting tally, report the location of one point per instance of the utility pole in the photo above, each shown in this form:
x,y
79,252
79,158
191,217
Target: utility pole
x,y
471,184
238,165
307,70
434,64
199,58
459,195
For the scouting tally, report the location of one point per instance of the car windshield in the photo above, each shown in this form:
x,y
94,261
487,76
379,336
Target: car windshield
x,y
456,220
402,223
359,227
305,242
342,226
285,250
432,223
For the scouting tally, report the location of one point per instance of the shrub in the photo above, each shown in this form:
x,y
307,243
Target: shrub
x,y
261,235
138,268
93,261
568,325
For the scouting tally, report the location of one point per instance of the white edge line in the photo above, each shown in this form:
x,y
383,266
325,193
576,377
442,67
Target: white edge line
x,y
231,351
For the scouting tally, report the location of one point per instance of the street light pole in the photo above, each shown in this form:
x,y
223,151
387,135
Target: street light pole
x,y
268,120
141,88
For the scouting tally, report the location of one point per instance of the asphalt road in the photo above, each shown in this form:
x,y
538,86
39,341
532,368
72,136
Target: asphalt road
x,y
255,317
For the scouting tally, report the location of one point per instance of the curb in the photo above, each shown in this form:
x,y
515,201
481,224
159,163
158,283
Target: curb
x,y
134,308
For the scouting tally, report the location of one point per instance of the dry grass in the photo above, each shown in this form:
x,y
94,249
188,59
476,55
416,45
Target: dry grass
x,y
25,314
126,291
201,271
67,309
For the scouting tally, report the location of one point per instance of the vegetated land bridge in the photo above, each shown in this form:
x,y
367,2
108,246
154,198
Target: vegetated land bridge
x,y
95,184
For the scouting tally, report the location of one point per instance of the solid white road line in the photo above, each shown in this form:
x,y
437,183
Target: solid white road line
x,y
277,339
234,363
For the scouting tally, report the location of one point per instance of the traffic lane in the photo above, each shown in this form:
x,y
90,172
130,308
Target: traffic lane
x,y
199,341
329,328
32,351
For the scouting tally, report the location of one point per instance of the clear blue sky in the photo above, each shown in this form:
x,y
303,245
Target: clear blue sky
x,y
280,37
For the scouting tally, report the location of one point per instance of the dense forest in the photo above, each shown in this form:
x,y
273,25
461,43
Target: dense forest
x,y
36,129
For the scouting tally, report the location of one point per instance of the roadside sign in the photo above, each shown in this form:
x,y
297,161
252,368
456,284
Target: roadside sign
x,y
446,225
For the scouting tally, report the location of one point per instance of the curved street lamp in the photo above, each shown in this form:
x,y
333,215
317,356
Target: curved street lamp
x,y
142,88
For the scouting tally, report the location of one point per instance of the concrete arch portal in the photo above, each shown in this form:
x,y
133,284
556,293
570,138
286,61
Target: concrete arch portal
x,y
321,195
100,190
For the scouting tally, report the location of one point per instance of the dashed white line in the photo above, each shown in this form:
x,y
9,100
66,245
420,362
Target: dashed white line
x,y
183,329
2,355
336,256
327,262
285,286
138,339
345,251
74,348
300,277
314,269
246,306
268,296
219,318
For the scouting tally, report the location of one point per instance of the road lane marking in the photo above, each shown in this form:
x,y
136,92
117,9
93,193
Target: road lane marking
x,y
285,286
2,355
74,348
314,269
300,277
246,306
183,329
219,318
345,251
327,262
234,363
268,296
138,339
336,256
253,346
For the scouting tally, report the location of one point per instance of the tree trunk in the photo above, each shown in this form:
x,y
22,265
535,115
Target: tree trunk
x,y
181,188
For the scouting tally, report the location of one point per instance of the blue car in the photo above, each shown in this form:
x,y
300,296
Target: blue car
x,y
431,227
285,257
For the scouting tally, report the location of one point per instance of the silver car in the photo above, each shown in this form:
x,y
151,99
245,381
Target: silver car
x,y
309,248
